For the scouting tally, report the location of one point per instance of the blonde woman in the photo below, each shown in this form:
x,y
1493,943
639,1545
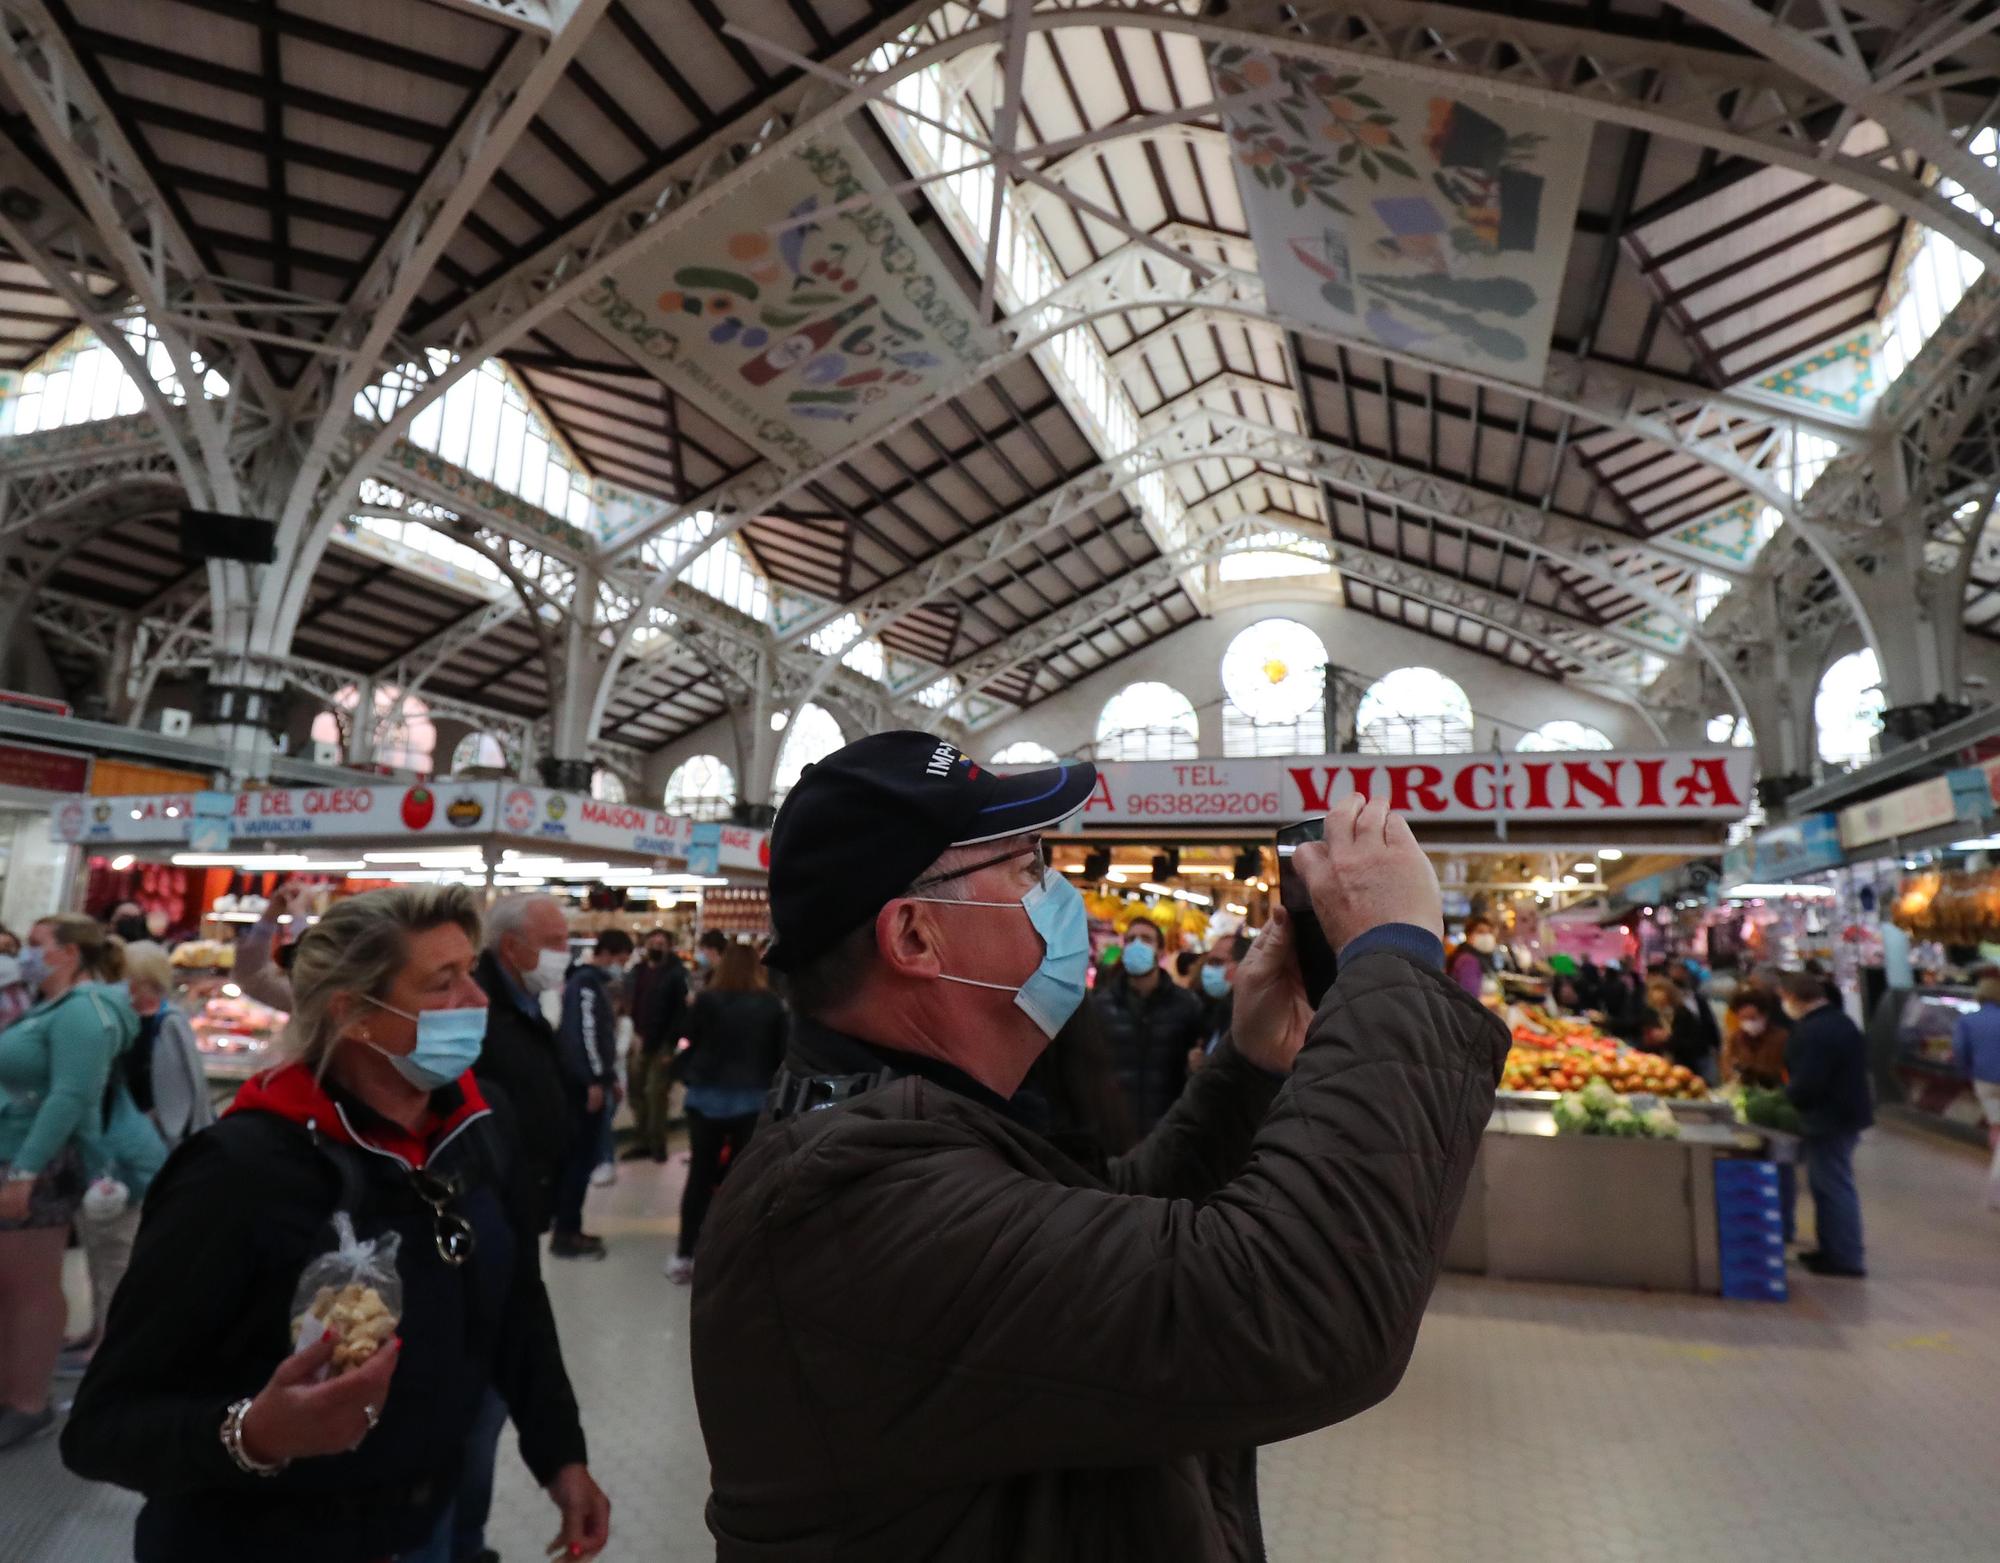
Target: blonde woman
x,y
55,1063
195,1398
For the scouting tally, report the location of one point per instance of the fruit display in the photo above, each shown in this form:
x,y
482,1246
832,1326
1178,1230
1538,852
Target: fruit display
x,y
235,1026
1597,1109
1553,1053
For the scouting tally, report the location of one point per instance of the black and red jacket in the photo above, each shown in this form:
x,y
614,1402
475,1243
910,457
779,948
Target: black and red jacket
x,y
204,1316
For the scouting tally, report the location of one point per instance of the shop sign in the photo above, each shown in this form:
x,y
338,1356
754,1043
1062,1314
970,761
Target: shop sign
x,y
1959,795
1441,789
389,809
1800,847
705,848
570,819
43,770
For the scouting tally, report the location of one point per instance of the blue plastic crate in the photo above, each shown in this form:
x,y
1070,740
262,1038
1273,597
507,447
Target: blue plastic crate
x,y
1749,1289
1736,1175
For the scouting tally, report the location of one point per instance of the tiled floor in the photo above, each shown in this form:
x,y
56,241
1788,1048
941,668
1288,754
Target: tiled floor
x,y
1855,1423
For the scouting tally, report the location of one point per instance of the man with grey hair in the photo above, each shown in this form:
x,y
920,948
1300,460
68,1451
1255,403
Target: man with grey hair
x,y
526,955
922,1330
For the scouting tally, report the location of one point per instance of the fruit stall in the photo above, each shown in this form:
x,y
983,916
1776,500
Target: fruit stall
x,y
1598,1167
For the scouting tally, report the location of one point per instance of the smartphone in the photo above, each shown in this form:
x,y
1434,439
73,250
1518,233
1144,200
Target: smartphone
x,y
1317,964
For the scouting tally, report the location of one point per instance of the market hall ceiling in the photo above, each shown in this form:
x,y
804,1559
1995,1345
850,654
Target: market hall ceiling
x,y
288,138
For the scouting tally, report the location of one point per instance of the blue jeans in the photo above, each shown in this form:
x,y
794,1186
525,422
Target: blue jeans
x,y
1836,1202
475,1480
1788,1199
607,1146
436,1550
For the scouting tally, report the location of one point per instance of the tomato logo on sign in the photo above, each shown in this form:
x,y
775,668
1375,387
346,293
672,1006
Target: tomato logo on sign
x,y
419,807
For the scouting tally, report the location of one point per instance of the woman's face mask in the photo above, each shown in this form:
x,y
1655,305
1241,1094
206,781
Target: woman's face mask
x,y
1751,1025
1140,957
1483,943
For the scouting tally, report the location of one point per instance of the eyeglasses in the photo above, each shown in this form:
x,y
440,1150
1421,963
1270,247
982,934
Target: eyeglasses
x,y
451,1231
1040,852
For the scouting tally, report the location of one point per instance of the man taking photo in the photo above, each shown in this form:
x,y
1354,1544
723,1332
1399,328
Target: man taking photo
x,y
923,1332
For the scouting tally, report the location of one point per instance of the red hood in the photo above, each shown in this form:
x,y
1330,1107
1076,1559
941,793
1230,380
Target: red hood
x,y
292,1092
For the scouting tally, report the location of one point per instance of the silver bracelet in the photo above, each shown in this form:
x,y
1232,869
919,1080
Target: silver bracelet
x,y
232,1441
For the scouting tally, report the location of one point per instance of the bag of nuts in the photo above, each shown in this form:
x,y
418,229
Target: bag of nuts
x,y
352,1293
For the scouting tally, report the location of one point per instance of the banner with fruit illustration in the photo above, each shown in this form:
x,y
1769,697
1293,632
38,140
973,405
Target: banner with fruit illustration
x,y
800,328
1428,221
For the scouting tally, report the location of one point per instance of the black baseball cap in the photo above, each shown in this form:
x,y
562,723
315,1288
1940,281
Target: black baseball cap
x,y
862,824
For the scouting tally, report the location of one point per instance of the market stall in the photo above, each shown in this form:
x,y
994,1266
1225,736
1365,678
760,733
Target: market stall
x,y
229,853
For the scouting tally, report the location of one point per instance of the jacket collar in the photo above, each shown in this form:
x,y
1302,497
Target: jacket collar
x,y
292,1092
820,1050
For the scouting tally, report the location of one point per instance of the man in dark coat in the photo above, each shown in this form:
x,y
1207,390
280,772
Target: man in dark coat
x,y
922,1331
1826,1064
1150,1023
659,1019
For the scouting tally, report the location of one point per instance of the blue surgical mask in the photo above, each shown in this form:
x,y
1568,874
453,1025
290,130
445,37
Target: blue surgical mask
x,y
448,1043
1055,988
1140,957
1215,981
34,965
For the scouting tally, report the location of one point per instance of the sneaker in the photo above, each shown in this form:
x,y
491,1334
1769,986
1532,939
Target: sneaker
x,y
73,1362
679,1269
1819,1264
576,1245
604,1174
18,1427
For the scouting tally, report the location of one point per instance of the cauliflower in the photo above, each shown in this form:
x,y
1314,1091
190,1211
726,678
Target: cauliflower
x,y
1623,1122
1571,1116
1661,1124
1600,1098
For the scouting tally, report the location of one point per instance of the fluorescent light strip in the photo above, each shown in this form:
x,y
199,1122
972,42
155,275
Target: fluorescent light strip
x,y
1779,892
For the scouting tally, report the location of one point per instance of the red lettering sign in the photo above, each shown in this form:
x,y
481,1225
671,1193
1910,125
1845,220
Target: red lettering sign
x,y
1537,772
1649,783
1584,777
1415,785
1706,783
1316,792
1462,788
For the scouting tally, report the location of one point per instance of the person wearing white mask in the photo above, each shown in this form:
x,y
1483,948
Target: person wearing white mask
x,y
527,955
1473,961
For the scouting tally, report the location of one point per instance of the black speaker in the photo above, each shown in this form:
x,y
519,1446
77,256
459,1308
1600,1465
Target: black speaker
x,y
1096,864
207,534
1166,865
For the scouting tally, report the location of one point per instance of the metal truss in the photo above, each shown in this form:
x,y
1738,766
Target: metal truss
x,y
1900,89
405,260
531,16
144,244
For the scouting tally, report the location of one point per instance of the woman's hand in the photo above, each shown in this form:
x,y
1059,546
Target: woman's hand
x,y
586,1514
14,1197
293,1418
1269,1020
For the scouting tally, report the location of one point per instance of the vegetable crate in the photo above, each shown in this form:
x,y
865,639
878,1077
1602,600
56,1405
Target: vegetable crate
x,y
1751,1230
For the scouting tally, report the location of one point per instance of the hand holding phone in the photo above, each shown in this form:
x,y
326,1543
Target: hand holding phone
x,y
1367,870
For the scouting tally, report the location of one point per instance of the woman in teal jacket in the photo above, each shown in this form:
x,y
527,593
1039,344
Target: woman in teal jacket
x,y
55,1062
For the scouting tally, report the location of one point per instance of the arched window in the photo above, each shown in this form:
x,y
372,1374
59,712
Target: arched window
x,y
478,752
1563,734
607,786
701,787
1732,730
1274,677
1847,712
404,734
812,735
1414,710
1025,752
1147,722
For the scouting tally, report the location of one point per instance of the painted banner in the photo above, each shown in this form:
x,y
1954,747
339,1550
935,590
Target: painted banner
x,y
1427,220
1943,800
383,809
1441,789
803,338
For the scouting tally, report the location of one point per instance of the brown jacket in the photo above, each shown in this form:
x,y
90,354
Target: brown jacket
x,y
921,1332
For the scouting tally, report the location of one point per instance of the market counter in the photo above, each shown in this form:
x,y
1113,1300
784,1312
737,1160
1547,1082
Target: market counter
x,y
1594,1210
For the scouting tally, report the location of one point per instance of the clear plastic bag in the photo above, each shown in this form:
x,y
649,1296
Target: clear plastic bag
x,y
352,1293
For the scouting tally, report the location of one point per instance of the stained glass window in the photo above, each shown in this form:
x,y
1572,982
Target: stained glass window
x,y
702,787
1563,734
1847,713
1414,710
1148,721
1274,677
811,736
